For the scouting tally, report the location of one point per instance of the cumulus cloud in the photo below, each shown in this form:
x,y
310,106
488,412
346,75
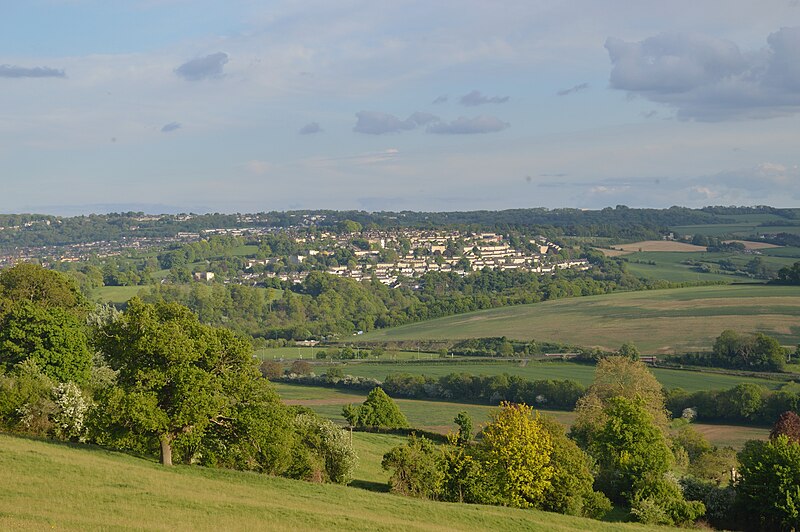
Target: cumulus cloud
x,y
13,71
423,119
310,129
711,79
476,98
469,126
377,123
201,68
172,126
575,88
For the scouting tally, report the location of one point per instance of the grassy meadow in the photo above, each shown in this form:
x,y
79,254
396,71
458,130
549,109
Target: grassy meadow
x,y
63,487
534,370
437,416
657,321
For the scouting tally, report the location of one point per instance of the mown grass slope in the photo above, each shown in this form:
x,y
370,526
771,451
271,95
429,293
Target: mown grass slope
x,y
657,321
60,487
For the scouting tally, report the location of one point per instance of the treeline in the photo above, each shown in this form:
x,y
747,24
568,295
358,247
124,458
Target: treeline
x,y
43,230
559,394
325,305
788,275
620,222
734,350
744,404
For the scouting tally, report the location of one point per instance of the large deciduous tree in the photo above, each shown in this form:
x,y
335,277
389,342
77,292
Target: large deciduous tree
x,y
176,377
618,377
378,411
517,451
768,492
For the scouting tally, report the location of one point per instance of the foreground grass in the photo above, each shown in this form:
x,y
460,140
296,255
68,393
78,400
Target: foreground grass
x,y
60,487
657,321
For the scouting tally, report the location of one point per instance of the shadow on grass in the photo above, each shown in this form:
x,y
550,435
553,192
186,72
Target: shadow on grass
x,y
380,487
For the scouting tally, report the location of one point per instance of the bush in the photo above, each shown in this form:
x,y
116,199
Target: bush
x,y
416,469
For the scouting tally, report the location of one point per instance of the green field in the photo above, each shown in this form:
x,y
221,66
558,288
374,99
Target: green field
x,y
62,487
310,353
669,378
437,416
737,230
657,321
116,294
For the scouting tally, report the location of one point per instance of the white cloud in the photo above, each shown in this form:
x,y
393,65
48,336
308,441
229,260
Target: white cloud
x,y
711,79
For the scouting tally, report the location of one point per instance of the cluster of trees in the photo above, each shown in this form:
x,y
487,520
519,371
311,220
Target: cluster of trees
x,y
493,390
153,380
735,350
623,447
745,404
789,275
521,460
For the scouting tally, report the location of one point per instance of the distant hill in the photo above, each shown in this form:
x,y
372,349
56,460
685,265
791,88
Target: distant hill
x,y
657,321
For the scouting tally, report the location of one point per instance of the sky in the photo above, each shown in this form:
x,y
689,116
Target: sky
x,y
253,105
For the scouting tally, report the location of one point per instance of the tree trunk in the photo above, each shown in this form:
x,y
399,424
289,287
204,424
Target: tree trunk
x,y
166,449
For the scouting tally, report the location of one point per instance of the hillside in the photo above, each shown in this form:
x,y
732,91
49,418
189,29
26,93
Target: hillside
x,y
62,487
657,321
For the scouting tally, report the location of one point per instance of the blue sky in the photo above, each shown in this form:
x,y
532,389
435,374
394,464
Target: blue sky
x,y
249,105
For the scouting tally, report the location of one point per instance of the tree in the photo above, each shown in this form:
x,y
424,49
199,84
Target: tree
x,y
618,377
571,489
628,447
271,369
301,367
788,425
32,283
175,376
633,458
767,493
629,350
330,444
51,337
464,423
517,451
415,467
748,351
378,410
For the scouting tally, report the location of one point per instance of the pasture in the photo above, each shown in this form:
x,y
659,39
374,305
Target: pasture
x,y
657,321
437,416
70,487
116,294
690,381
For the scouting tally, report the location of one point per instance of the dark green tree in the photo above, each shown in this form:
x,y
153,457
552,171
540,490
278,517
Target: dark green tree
x,y
176,377
464,423
379,411
767,494
51,337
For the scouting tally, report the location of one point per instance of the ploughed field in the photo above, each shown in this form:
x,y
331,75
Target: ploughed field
x,y
51,486
657,321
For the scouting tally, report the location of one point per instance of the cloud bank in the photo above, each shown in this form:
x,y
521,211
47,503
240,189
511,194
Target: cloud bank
x,y
711,79
469,126
13,71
